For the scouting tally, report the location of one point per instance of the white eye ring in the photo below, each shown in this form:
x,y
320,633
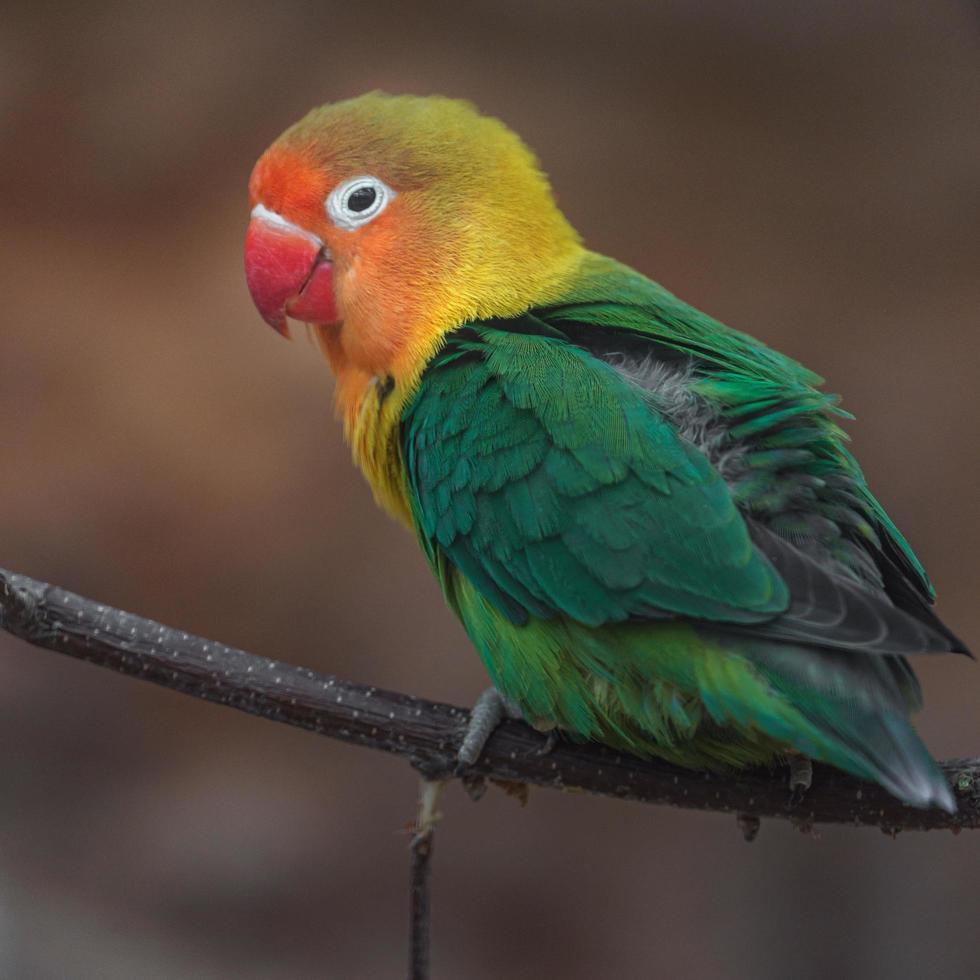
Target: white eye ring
x,y
357,191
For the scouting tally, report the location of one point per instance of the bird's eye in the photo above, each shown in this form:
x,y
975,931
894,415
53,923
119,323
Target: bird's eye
x,y
357,201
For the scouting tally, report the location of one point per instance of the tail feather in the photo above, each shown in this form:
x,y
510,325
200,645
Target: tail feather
x,y
859,704
906,769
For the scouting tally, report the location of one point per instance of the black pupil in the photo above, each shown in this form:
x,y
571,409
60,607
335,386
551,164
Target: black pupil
x,y
361,199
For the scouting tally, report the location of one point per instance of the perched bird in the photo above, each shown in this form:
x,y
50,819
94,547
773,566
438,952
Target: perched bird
x,y
647,522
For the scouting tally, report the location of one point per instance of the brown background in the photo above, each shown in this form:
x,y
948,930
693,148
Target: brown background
x,y
805,172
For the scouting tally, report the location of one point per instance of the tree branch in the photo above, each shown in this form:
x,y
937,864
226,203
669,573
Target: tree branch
x,y
426,733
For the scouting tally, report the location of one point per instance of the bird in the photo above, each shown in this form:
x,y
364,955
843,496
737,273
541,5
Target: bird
x,y
648,523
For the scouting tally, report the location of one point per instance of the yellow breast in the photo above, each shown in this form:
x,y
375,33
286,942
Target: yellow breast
x,y
373,433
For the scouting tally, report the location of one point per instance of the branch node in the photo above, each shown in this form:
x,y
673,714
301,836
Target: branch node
x,y
19,611
966,783
429,792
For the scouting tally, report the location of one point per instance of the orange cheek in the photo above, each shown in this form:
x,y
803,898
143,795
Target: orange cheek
x,y
382,291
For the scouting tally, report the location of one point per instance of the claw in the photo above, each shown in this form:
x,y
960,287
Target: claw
x,y
800,777
748,825
548,745
475,786
490,710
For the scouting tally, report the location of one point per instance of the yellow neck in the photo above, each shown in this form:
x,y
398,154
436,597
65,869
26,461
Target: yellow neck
x,y
371,405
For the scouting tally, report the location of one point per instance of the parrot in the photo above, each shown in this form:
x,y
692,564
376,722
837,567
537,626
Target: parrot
x,y
648,523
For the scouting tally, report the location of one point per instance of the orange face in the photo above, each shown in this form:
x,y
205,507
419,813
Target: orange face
x,y
386,221
320,250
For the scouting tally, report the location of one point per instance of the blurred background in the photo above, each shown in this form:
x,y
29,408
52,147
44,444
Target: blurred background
x,y
807,172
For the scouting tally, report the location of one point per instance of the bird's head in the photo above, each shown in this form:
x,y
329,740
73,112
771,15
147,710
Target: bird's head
x,y
385,221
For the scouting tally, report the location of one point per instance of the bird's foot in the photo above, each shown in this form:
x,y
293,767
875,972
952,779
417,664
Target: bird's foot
x,y
800,777
490,710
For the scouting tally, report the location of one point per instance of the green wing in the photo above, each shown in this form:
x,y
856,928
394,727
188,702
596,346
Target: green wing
x,y
612,297
550,482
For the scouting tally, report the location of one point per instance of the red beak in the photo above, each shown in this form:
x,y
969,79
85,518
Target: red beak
x,y
288,271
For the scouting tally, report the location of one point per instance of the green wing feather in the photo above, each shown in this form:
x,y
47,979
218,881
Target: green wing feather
x,y
549,481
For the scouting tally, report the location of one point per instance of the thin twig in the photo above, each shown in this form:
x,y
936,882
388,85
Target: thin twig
x,y
427,733
421,874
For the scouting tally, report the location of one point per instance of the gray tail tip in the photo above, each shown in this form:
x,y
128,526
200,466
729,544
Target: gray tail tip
x,y
926,793
914,775
943,797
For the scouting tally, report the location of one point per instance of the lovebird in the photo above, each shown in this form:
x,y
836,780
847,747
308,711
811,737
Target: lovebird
x,y
648,523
